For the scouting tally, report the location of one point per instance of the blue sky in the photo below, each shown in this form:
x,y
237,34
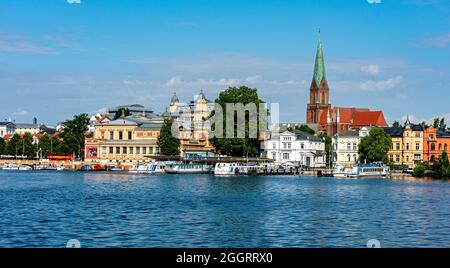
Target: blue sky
x,y
59,58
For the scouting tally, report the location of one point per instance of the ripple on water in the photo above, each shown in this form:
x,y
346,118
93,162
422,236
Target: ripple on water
x,y
45,209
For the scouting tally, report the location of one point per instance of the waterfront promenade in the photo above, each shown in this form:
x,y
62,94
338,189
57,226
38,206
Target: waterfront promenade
x,y
46,209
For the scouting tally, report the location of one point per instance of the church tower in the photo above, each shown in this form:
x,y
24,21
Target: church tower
x,y
319,93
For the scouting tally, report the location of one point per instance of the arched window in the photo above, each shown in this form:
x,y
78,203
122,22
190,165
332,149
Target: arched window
x,y
440,147
348,157
433,147
355,158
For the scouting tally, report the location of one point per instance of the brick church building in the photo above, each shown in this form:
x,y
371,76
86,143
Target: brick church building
x,y
334,120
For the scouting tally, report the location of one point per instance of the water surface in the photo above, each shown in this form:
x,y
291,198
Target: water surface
x,y
46,209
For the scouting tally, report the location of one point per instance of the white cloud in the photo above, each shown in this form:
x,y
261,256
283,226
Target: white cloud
x,y
374,1
15,43
442,40
371,69
381,85
20,112
74,1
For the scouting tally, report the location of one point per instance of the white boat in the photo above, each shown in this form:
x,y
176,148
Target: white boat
x,y
182,168
373,170
140,169
13,166
60,168
152,168
227,169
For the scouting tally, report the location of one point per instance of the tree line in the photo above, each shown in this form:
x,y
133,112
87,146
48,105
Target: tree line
x,y
69,141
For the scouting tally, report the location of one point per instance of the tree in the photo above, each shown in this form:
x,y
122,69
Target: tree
x,y
122,112
303,128
73,135
247,146
375,146
419,170
396,124
328,148
439,124
29,149
12,147
441,168
167,143
2,145
45,146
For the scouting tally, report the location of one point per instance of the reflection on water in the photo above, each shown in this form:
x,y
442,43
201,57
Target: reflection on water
x,y
46,209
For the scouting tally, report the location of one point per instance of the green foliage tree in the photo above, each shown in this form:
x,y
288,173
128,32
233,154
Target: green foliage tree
x,y
396,124
248,146
73,135
45,146
29,149
375,146
303,128
419,170
13,147
441,168
122,112
328,149
167,143
439,124
2,145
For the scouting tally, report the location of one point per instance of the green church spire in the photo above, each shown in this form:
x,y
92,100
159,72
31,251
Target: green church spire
x,y
319,66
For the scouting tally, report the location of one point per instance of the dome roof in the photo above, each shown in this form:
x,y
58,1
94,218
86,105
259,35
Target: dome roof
x,y
174,99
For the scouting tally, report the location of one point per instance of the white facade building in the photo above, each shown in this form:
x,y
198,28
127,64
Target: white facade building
x,y
345,147
7,128
28,128
296,148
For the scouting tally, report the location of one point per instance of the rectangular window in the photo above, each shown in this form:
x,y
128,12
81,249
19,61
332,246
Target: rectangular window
x,y
131,150
274,145
285,156
417,146
407,148
138,150
397,158
117,150
111,150
144,150
130,135
120,135
397,147
111,135
150,150
124,150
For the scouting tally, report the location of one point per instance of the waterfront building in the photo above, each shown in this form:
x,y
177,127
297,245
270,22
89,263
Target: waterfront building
x,y
324,118
126,141
191,118
295,147
7,128
28,128
345,146
435,143
407,144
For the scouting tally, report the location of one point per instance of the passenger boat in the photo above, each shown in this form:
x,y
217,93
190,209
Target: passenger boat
x,y
13,166
373,170
227,169
183,168
152,168
113,168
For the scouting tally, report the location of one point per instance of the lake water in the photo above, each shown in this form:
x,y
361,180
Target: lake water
x,y
46,209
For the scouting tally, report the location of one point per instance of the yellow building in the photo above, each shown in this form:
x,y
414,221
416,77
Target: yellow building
x,y
124,141
407,144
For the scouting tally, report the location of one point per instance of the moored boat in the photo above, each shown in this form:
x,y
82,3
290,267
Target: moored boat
x,y
192,168
372,170
14,166
229,169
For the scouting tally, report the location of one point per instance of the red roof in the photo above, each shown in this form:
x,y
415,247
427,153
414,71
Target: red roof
x,y
353,116
375,118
